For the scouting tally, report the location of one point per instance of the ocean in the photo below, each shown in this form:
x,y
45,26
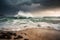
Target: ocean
x,y
22,21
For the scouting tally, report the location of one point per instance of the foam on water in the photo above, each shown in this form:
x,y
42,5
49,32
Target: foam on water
x,y
17,25
25,14
20,24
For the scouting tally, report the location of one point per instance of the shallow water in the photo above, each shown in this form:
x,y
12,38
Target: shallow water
x,y
10,23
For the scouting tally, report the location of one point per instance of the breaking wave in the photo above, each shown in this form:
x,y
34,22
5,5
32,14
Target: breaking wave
x,y
24,20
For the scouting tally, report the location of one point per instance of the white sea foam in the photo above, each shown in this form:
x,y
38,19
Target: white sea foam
x,y
20,24
25,14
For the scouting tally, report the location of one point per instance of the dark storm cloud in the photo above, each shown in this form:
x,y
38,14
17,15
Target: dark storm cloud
x,y
13,6
6,7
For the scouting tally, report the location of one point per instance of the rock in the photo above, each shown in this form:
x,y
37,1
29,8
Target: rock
x,y
33,34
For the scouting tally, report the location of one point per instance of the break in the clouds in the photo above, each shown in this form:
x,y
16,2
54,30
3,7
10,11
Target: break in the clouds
x,y
13,6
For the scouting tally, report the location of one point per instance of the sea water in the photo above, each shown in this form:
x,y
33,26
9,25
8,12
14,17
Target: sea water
x,y
24,20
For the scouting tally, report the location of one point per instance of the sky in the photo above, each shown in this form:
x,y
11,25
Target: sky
x,y
12,7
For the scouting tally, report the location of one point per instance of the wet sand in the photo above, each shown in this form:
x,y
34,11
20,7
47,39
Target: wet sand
x,y
31,34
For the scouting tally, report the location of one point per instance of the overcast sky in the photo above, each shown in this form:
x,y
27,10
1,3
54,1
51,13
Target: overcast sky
x,y
13,6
